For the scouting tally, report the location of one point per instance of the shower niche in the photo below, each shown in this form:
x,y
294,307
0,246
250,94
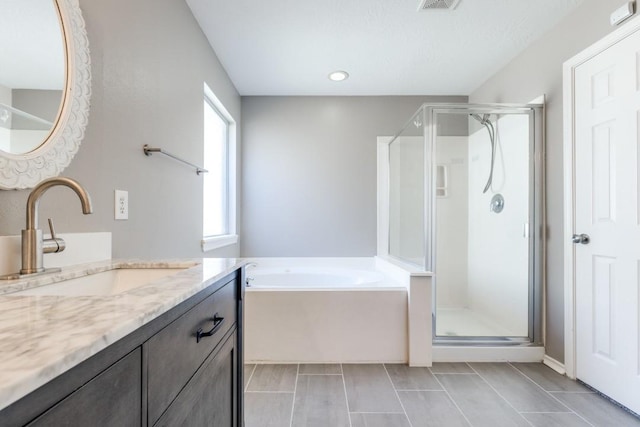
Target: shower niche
x,y
460,191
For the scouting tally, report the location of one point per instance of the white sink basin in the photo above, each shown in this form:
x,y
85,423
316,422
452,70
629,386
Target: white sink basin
x,y
108,282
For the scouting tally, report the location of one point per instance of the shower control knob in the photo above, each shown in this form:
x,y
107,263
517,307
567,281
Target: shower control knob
x,y
583,239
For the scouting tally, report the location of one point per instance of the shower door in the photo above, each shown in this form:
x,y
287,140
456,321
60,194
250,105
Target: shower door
x,y
485,221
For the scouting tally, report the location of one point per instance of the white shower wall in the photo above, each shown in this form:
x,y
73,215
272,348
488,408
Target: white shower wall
x,y
498,244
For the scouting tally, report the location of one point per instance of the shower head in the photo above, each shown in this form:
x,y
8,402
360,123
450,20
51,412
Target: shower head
x,y
483,120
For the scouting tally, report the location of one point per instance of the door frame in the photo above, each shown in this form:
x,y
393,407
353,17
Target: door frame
x,y
568,84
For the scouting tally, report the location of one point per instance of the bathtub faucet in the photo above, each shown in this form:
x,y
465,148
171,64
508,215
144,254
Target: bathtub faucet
x,y
248,280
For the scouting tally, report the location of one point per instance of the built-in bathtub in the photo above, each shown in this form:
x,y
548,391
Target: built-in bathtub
x,y
323,310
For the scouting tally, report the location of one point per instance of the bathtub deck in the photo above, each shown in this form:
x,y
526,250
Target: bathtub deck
x,y
448,394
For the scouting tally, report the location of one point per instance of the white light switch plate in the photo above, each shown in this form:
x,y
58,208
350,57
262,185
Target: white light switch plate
x,y
122,204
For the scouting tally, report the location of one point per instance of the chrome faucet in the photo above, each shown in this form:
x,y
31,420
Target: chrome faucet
x,y
248,280
33,244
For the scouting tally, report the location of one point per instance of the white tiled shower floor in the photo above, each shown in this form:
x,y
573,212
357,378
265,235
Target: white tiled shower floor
x,y
466,322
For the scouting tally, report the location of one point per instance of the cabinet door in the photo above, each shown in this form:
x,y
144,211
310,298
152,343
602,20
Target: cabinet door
x,y
175,353
113,398
209,398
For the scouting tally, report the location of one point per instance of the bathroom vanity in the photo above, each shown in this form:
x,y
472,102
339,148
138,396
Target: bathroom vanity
x,y
166,353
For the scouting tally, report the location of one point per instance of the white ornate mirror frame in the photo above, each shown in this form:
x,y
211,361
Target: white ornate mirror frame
x,y
18,171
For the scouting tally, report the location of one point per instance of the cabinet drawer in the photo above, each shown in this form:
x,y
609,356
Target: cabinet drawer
x,y
175,353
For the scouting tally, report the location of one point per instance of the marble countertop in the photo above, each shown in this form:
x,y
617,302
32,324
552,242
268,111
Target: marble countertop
x,y
43,336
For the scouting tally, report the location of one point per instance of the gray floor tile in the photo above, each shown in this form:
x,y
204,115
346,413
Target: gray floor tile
x,y
379,420
321,399
547,378
267,409
320,369
369,389
431,408
597,410
451,368
405,378
320,402
518,390
273,378
556,419
480,404
248,370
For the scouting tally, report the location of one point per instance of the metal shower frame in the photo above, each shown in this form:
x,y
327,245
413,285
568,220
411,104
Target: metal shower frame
x,y
427,115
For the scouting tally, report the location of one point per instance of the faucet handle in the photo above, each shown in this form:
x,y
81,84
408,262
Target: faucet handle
x,y
53,230
54,244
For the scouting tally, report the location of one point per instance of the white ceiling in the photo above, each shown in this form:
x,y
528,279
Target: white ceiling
x,y
288,47
31,47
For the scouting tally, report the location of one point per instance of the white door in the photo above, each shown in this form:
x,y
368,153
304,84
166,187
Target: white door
x,y
607,209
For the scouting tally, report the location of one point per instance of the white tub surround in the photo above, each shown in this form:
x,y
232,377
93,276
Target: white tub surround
x,y
322,326
419,303
324,310
44,336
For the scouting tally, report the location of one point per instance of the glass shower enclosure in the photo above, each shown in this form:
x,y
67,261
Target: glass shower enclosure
x,y
465,191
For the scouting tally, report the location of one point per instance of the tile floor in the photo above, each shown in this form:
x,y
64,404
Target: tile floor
x,y
448,394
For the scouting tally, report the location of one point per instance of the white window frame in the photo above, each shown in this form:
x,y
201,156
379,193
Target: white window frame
x,y
209,243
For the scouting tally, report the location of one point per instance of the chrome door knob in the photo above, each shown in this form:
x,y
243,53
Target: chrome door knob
x,y
583,239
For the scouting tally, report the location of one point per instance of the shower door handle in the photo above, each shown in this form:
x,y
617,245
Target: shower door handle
x,y
583,239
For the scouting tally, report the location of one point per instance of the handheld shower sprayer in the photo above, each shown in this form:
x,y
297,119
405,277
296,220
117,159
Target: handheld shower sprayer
x,y
486,122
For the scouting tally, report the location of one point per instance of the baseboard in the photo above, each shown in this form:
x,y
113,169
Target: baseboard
x,y
554,364
442,353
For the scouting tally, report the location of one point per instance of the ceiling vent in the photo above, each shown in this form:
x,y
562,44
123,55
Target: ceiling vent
x,y
438,4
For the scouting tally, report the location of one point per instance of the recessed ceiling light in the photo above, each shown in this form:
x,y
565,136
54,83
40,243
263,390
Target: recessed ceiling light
x,y
338,76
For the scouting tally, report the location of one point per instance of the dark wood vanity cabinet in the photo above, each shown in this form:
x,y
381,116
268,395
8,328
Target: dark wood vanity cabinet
x,y
114,399
183,368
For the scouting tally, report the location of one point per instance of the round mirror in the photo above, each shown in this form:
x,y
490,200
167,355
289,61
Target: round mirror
x,y
44,89
32,77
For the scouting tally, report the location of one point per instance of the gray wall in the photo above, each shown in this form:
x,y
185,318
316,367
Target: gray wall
x,y
309,171
537,71
149,62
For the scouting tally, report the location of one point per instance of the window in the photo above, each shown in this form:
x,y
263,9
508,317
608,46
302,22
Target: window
x,y
218,197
